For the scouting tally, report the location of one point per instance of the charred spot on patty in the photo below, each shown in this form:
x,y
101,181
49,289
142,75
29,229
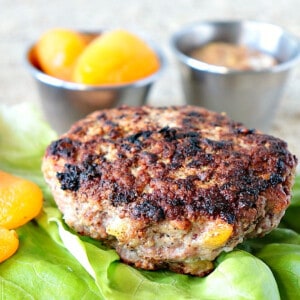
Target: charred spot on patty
x,y
70,178
148,210
64,147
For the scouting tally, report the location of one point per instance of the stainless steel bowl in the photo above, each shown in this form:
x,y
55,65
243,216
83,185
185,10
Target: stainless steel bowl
x,y
250,96
65,102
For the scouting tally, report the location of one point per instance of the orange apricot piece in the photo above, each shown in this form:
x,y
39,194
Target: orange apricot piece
x,y
217,235
9,243
20,200
115,57
57,50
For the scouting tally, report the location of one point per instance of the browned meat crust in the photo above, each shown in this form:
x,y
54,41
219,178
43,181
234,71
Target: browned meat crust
x,y
170,186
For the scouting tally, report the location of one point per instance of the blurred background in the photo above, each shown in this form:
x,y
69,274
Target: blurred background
x,y
22,22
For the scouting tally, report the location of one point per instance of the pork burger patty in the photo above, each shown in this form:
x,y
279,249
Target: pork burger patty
x,y
169,187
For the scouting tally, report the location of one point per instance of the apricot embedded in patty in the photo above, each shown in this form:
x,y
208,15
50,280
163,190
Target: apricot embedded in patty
x,y
217,235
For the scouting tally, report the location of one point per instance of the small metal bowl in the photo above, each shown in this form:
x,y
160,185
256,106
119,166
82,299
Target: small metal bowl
x,y
249,96
65,102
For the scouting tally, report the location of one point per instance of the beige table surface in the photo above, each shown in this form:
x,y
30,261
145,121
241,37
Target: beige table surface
x,y
21,22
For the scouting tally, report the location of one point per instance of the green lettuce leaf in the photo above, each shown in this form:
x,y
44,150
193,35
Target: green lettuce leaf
x,y
53,262
278,235
284,261
24,135
42,269
23,138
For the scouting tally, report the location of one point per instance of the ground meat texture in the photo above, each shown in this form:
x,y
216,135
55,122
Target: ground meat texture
x,y
169,187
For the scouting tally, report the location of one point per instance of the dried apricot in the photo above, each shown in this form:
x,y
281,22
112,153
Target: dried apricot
x,y
20,200
115,57
9,243
217,235
57,50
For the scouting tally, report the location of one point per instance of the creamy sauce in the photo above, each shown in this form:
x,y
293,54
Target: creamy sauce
x,y
233,56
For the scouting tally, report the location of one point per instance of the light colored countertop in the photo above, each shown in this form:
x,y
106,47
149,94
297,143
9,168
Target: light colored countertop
x,y
22,22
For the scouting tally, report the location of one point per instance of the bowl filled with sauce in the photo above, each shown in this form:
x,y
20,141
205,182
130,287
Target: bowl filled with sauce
x,y
79,72
237,67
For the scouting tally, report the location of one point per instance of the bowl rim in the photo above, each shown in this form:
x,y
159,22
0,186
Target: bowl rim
x,y
202,66
42,77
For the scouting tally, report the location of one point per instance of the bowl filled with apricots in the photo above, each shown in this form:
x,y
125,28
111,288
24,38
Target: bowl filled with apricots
x,y
80,72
